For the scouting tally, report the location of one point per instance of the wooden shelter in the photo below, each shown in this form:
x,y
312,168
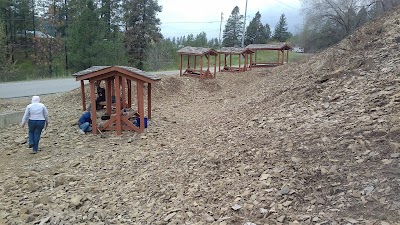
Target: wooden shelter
x,y
198,52
239,53
118,86
281,48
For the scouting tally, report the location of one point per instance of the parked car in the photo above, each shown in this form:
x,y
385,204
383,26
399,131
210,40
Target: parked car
x,y
298,49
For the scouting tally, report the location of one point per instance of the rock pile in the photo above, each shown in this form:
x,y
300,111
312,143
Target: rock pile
x,y
313,142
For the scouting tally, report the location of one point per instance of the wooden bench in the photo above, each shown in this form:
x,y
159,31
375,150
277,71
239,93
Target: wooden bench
x,y
195,72
113,105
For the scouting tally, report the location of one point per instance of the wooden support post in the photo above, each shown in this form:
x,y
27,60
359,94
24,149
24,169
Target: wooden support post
x,y
140,105
208,63
118,104
245,61
137,95
215,66
201,67
83,95
180,71
113,87
287,56
93,106
149,101
108,96
123,91
279,54
240,56
129,84
225,60
219,62
251,61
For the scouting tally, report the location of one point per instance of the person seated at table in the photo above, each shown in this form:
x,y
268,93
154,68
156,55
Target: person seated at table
x,y
101,97
85,123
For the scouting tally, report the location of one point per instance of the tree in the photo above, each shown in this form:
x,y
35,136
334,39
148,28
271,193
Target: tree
x,y
256,33
22,25
267,31
233,30
3,35
213,43
281,30
3,48
189,40
87,42
378,7
109,12
162,55
141,29
48,43
201,40
329,21
16,17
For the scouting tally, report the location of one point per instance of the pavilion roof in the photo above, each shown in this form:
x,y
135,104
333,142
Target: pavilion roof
x,y
100,70
197,51
234,50
276,46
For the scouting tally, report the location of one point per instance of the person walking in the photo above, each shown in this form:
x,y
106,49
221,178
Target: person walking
x,y
38,118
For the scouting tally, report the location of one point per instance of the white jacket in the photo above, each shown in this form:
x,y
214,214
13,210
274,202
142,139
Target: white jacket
x,y
35,111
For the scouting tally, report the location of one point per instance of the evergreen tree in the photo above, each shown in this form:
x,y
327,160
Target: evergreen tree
x,y
233,30
201,40
48,44
189,40
17,21
255,32
87,41
213,43
5,23
267,31
3,55
141,29
109,12
281,34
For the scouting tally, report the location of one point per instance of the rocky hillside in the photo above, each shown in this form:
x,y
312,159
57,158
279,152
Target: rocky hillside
x,y
313,142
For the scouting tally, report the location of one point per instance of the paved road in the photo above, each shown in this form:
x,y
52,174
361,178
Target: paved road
x,y
48,86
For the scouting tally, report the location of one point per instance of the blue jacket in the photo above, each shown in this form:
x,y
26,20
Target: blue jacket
x,y
85,118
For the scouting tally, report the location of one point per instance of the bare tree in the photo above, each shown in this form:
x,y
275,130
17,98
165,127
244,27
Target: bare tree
x,y
379,7
329,21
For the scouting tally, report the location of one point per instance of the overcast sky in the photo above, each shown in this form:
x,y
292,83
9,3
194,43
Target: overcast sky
x,y
183,17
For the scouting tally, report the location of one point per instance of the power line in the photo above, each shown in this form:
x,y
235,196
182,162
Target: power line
x,y
282,3
191,22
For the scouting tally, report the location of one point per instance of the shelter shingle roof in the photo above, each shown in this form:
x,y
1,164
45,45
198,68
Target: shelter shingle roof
x,y
277,46
196,51
127,68
234,50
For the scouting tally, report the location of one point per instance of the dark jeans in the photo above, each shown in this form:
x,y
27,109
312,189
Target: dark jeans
x,y
35,130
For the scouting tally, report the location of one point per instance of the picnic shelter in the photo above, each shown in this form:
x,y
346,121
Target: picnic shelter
x,y
118,89
235,54
195,53
282,50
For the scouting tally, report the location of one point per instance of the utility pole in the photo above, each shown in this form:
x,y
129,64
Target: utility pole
x,y
244,25
220,28
66,37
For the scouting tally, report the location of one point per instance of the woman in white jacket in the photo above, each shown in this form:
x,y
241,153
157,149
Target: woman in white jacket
x,y
37,115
